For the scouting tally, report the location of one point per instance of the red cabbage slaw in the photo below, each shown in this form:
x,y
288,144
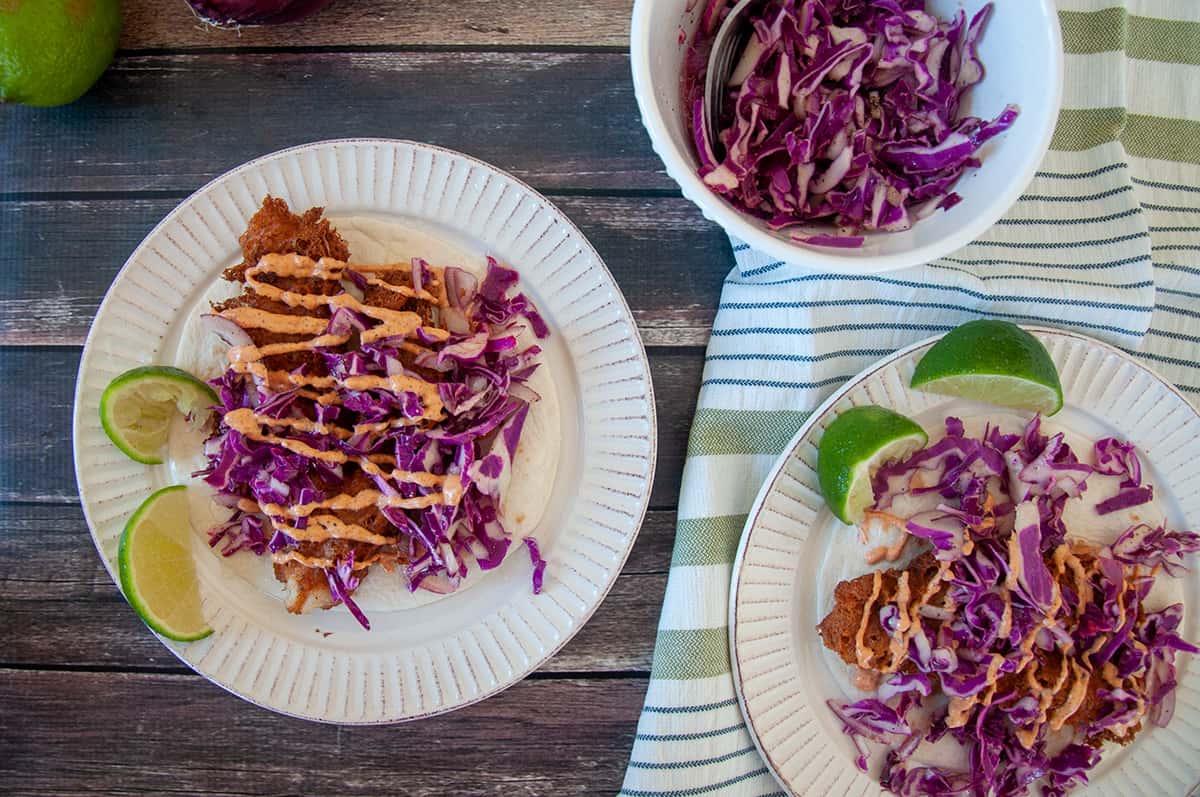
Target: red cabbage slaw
x,y
843,111
996,534
484,388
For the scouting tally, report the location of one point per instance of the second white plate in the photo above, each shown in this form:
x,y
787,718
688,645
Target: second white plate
x,y
793,553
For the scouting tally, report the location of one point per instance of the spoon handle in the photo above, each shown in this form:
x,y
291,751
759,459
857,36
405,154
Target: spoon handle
x,y
726,49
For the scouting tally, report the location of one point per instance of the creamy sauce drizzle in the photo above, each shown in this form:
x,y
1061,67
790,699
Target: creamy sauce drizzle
x,y
1071,678
393,324
889,552
249,359
865,654
283,557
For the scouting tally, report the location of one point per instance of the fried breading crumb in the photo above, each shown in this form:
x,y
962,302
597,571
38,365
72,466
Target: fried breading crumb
x,y
274,229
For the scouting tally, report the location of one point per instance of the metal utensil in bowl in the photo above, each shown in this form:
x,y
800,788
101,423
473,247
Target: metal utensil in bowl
x,y
727,49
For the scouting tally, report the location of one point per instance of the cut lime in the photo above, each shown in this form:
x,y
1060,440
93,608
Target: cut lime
x,y
859,442
136,408
158,575
992,361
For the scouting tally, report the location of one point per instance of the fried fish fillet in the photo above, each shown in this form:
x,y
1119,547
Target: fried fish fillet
x,y
839,630
274,229
840,627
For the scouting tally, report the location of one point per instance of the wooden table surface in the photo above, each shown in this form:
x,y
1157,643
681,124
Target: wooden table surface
x,y
90,702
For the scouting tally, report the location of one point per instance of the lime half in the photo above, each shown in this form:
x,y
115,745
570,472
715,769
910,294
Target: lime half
x,y
859,442
992,361
137,407
158,575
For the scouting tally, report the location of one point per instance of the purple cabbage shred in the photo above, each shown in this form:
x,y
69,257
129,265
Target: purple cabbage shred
x,y
843,112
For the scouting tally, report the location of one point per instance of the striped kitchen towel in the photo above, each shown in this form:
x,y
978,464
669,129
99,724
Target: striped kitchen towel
x,y
1106,240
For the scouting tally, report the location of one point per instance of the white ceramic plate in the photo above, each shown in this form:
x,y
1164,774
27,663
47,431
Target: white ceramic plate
x,y
794,552
460,649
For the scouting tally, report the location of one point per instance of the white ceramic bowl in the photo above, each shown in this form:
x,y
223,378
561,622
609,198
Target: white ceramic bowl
x,y
1021,51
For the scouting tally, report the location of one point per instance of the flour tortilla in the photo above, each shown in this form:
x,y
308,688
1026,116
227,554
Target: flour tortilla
x,y
525,485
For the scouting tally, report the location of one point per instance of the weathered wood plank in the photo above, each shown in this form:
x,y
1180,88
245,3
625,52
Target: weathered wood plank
x,y
62,610
115,733
61,256
172,122
38,390
37,395
161,25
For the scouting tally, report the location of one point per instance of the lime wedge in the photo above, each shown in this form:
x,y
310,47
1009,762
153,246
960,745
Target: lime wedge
x,y
158,575
859,442
992,361
136,408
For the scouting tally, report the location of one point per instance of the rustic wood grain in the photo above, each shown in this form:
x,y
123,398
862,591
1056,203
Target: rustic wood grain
x,y
169,24
62,255
90,702
123,733
62,609
35,424
173,122
37,397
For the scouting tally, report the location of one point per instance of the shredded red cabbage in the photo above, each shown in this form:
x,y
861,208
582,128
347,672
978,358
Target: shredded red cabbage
x,y
484,372
342,583
1018,594
1155,547
539,564
843,111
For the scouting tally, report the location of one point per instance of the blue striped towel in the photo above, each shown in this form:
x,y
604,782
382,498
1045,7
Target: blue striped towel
x,y
1106,240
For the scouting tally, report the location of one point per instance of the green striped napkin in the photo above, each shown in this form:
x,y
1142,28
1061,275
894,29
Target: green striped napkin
x,y
1106,240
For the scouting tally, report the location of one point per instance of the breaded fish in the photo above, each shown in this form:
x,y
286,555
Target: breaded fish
x,y
839,631
274,229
